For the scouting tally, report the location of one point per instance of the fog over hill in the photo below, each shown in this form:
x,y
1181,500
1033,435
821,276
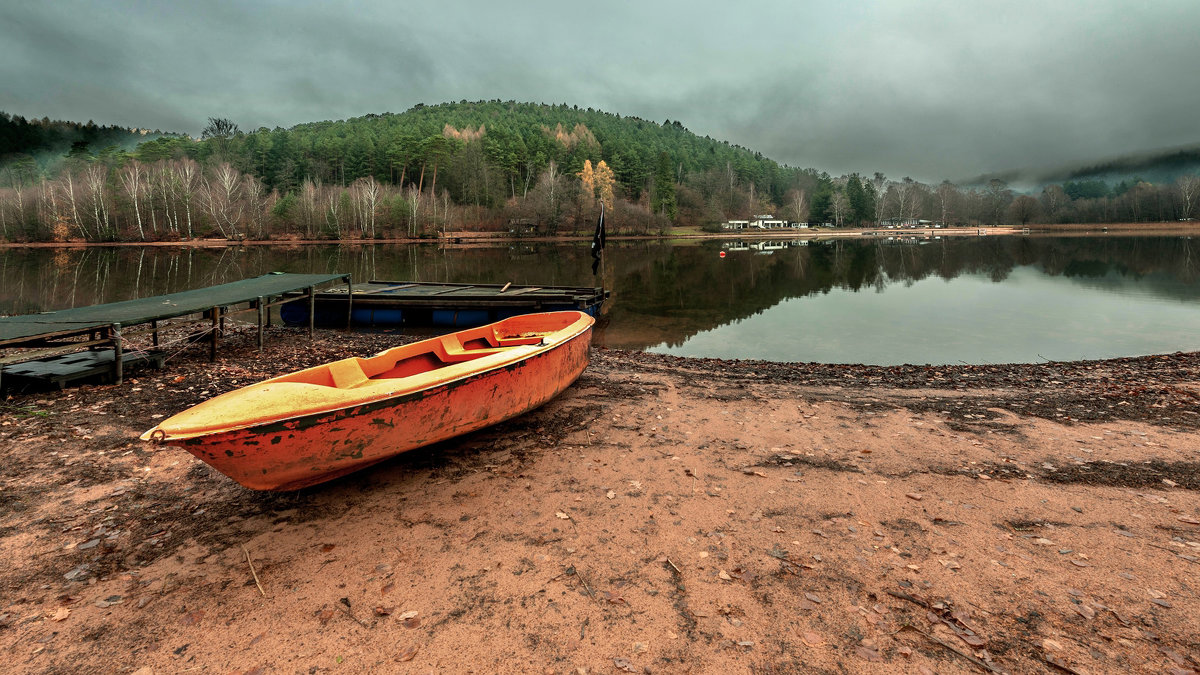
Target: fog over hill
x,y
1159,166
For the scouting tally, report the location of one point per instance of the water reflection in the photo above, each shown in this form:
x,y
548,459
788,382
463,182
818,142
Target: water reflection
x,y
975,300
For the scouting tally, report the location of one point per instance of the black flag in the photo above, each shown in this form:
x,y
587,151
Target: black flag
x,y
598,241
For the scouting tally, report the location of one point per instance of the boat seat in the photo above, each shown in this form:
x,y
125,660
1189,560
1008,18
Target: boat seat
x,y
347,374
452,351
516,340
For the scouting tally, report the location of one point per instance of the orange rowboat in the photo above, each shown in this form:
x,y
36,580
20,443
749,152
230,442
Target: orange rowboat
x,y
316,424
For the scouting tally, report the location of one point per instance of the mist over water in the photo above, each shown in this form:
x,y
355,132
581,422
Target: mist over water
x,y
970,300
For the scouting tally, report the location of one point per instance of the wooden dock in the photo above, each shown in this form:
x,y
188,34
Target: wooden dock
x,y
61,347
418,303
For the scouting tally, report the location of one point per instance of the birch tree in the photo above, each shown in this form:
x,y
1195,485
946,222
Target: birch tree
x,y
1189,191
131,179
69,190
95,177
221,195
366,198
255,194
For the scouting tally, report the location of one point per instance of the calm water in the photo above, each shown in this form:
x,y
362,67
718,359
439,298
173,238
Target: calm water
x,y
969,300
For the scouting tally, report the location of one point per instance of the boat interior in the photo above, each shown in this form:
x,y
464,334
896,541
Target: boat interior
x,y
435,353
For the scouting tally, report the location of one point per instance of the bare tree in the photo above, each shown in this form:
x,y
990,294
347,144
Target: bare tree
x,y
131,179
946,194
49,202
883,191
996,199
841,206
799,204
16,179
1189,190
222,199
187,178
333,213
414,209
1023,209
309,195
366,198
96,178
256,197
69,189
1054,198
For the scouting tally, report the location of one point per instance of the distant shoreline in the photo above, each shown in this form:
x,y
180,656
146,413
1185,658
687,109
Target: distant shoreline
x,y
687,233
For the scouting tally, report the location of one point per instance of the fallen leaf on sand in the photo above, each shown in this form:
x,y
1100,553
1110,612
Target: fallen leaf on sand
x,y
1084,611
613,599
813,640
324,616
724,576
625,665
407,654
813,597
868,654
562,515
611,494
326,548
407,615
61,614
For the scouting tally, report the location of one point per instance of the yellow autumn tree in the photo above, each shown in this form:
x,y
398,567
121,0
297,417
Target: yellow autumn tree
x,y
598,182
580,135
605,180
588,178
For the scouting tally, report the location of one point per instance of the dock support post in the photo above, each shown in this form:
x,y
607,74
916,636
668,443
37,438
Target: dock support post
x,y
349,302
261,308
212,343
312,310
118,355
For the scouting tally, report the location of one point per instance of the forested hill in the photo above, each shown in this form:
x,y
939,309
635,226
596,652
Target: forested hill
x,y
46,140
486,152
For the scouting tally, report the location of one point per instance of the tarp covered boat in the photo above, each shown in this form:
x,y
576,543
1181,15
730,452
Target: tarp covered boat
x,y
316,424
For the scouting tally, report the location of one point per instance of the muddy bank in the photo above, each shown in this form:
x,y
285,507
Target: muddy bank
x,y
663,515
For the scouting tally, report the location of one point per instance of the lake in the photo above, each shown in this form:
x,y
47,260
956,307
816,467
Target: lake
x,y
938,301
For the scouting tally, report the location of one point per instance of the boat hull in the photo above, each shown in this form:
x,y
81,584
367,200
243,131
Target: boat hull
x,y
310,449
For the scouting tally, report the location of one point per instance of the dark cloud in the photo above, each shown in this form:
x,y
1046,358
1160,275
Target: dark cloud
x,y
927,89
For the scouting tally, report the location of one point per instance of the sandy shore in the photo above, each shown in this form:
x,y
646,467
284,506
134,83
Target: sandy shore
x,y
663,515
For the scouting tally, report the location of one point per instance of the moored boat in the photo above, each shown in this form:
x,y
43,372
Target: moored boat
x,y
320,423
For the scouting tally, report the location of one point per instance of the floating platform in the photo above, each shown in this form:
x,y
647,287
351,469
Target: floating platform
x,y
49,345
418,303
66,369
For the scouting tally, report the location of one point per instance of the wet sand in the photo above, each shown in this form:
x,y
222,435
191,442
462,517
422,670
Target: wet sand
x,y
663,515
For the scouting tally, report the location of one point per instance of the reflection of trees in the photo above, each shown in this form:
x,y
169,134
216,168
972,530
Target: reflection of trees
x,y
691,289
665,293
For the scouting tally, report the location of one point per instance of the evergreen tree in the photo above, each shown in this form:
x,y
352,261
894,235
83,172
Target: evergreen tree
x,y
857,199
821,210
664,188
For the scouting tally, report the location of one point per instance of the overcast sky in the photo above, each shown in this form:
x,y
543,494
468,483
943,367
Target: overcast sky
x,y
927,89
